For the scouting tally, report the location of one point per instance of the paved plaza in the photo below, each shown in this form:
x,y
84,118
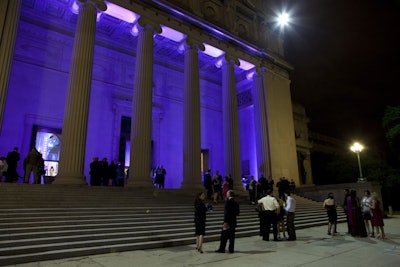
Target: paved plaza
x,y
313,248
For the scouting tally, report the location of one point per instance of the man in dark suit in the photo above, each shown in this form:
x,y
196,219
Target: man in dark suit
x,y
231,211
12,160
208,184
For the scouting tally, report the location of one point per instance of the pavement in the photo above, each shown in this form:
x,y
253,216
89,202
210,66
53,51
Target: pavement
x,y
313,248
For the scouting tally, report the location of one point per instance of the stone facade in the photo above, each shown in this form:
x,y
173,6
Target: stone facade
x,y
137,85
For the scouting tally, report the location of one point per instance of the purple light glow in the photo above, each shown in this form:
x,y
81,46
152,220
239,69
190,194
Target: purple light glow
x,y
135,30
244,65
112,10
172,34
250,75
212,51
121,13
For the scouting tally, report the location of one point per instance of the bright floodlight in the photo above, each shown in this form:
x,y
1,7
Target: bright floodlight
x,y
283,19
356,147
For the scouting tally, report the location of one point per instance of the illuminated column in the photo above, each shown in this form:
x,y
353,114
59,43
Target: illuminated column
x,y
9,17
74,130
230,121
140,158
261,126
191,118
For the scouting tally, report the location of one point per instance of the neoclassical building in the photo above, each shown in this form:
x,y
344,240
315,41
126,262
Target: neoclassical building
x,y
190,85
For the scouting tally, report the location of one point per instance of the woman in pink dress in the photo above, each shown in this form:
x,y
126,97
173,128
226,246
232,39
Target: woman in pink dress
x,y
377,217
225,187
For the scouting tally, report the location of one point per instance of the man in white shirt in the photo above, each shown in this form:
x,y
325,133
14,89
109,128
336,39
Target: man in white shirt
x,y
268,216
290,209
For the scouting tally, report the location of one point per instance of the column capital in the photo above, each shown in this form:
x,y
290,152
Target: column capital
x,y
258,70
98,4
148,24
229,58
192,43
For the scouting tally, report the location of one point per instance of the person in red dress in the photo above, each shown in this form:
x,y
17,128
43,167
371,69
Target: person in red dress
x,y
377,217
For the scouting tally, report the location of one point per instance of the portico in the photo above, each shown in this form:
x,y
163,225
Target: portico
x,y
184,84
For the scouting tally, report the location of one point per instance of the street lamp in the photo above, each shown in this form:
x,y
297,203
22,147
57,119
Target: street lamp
x,y
357,148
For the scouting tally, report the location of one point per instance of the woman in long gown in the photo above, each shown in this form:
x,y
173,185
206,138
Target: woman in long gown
x,y
200,210
356,221
377,218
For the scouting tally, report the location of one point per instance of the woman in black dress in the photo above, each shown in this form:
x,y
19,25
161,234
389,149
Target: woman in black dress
x,y
330,206
200,210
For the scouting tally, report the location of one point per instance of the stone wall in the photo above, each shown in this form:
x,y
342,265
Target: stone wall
x,y
320,192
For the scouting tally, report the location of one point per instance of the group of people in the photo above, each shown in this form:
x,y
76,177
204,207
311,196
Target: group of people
x,y
33,163
217,187
258,189
364,217
271,213
8,166
159,174
104,174
228,228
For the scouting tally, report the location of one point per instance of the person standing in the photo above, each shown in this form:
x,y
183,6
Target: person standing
x,y
262,186
252,190
330,207
112,169
283,187
356,222
366,203
12,161
104,172
208,184
231,211
95,172
216,185
268,216
225,187
162,177
290,210
229,179
346,195
32,164
3,168
270,183
281,220
377,217
200,211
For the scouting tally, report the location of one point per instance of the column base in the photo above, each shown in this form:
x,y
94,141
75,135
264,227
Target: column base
x,y
139,182
69,179
238,188
193,186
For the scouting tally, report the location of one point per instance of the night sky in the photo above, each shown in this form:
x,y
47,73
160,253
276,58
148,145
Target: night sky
x,y
346,55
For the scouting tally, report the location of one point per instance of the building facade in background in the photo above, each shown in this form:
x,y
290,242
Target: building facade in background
x,y
189,85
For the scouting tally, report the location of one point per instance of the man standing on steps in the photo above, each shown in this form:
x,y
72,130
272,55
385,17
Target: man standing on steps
x,y
231,211
12,161
32,164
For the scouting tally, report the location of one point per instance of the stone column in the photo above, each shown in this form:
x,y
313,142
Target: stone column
x,y
9,18
230,122
74,130
261,126
140,158
191,118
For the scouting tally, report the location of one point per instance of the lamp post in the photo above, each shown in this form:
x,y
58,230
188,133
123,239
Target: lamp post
x,y
357,148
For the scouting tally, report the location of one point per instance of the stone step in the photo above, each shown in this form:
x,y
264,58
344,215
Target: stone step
x,y
50,229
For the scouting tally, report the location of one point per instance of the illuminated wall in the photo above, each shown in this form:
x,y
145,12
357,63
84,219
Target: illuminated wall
x,y
39,78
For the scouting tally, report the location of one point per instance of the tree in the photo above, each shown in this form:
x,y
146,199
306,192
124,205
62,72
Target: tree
x,y
391,183
391,123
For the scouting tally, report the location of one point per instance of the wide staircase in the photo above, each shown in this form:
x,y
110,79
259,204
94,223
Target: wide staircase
x,y
43,222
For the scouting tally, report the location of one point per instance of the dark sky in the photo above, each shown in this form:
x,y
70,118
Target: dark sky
x,y
346,55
